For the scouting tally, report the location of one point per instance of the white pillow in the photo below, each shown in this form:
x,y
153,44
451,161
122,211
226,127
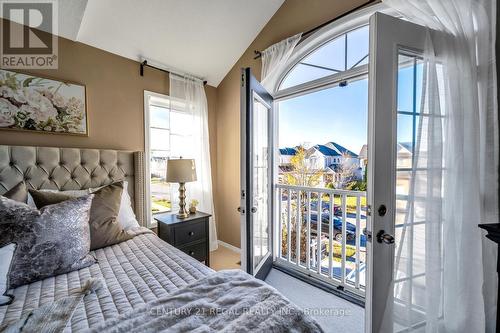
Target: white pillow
x,y
6,255
126,216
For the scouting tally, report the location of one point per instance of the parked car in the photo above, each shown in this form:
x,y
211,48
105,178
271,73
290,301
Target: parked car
x,y
325,207
337,228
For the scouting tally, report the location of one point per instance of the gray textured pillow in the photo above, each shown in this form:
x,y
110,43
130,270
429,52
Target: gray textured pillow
x,y
51,241
104,227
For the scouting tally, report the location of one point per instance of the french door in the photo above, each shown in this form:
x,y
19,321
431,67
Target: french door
x,y
256,177
397,262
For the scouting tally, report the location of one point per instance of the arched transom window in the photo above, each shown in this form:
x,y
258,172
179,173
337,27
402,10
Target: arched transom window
x,y
343,53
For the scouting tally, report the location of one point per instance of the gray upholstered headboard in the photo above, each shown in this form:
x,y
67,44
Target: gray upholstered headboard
x,y
73,169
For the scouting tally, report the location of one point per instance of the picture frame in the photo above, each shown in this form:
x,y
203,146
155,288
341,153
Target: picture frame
x,y
39,104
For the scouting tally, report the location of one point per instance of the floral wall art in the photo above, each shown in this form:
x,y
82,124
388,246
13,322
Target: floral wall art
x,y
33,103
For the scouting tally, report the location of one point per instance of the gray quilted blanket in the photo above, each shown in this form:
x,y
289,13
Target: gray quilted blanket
x,y
226,301
136,272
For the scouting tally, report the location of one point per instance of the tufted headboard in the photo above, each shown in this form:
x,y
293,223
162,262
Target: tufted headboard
x,y
73,169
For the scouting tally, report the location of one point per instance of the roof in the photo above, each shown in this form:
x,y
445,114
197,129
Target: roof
x,y
406,145
340,149
288,151
327,151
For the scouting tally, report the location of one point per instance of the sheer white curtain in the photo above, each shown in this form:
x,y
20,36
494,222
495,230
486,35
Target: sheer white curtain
x,y
188,94
274,59
454,178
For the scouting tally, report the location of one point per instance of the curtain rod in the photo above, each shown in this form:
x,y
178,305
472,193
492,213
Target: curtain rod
x,y
145,64
258,54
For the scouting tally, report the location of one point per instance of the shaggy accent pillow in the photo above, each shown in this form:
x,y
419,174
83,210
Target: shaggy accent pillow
x,y
104,227
51,241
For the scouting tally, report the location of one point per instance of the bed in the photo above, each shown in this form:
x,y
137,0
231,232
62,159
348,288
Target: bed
x,y
136,273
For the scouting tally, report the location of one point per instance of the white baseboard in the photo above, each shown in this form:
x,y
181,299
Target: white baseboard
x,y
229,246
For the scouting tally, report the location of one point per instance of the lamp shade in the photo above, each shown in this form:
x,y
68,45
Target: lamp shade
x,y
181,171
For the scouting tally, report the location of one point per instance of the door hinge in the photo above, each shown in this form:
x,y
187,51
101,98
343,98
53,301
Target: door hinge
x,y
242,79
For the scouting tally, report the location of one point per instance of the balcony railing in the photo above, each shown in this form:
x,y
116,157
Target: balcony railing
x,y
320,234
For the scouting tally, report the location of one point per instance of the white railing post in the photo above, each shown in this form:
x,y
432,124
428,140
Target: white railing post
x,y
280,217
330,236
297,229
308,244
358,240
288,229
344,238
318,233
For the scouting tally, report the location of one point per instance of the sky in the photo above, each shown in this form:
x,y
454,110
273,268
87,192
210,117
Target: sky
x,y
336,114
340,114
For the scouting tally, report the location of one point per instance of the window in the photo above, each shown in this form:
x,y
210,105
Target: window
x,y
343,53
167,132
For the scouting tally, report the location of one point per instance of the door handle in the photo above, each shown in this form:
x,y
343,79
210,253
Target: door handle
x,y
382,237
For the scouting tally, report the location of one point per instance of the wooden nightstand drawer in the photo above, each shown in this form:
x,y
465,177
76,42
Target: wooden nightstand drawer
x,y
197,251
189,233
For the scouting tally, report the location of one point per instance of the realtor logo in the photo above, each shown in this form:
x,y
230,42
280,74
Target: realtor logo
x,y
29,34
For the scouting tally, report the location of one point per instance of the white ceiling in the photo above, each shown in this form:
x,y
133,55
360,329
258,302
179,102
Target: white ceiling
x,y
201,37
204,38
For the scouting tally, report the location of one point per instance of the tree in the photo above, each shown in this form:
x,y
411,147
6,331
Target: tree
x,y
302,174
346,172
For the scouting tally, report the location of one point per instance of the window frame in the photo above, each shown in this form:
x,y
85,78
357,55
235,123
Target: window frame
x,y
316,41
150,221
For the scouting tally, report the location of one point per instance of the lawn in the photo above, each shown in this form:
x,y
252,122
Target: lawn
x,y
351,202
160,205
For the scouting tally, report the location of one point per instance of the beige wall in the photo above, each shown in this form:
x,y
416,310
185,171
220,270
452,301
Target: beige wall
x,y
293,17
115,100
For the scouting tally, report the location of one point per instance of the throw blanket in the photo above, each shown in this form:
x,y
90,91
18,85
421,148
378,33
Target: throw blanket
x,y
53,317
226,301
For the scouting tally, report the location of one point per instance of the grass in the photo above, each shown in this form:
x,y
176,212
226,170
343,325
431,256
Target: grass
x,y
160,205
350,202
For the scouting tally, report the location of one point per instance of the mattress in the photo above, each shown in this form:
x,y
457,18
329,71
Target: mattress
x,y
136,272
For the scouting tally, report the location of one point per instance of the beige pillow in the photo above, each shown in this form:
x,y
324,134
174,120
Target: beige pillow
x,y
17,193
104,227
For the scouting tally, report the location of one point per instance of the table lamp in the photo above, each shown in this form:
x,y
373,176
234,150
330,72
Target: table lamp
x,y
181,171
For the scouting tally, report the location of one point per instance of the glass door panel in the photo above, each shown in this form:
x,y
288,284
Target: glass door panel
x,y
261,181
256,177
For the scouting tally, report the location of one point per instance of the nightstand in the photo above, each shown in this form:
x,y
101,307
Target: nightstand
x,y
190,235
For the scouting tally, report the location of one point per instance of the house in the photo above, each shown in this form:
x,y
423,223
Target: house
x,y
336,161
285,155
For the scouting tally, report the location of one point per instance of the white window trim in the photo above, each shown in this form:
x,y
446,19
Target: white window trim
x,y
315,41
150,221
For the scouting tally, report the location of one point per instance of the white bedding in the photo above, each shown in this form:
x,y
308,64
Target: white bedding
x,y
137,271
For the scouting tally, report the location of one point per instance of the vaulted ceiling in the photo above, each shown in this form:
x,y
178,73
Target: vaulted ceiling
x,y
201,37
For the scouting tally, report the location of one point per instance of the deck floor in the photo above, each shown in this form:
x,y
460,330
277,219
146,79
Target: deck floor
x,y
333,313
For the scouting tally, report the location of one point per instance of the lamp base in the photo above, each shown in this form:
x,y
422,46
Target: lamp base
x,y
183,213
